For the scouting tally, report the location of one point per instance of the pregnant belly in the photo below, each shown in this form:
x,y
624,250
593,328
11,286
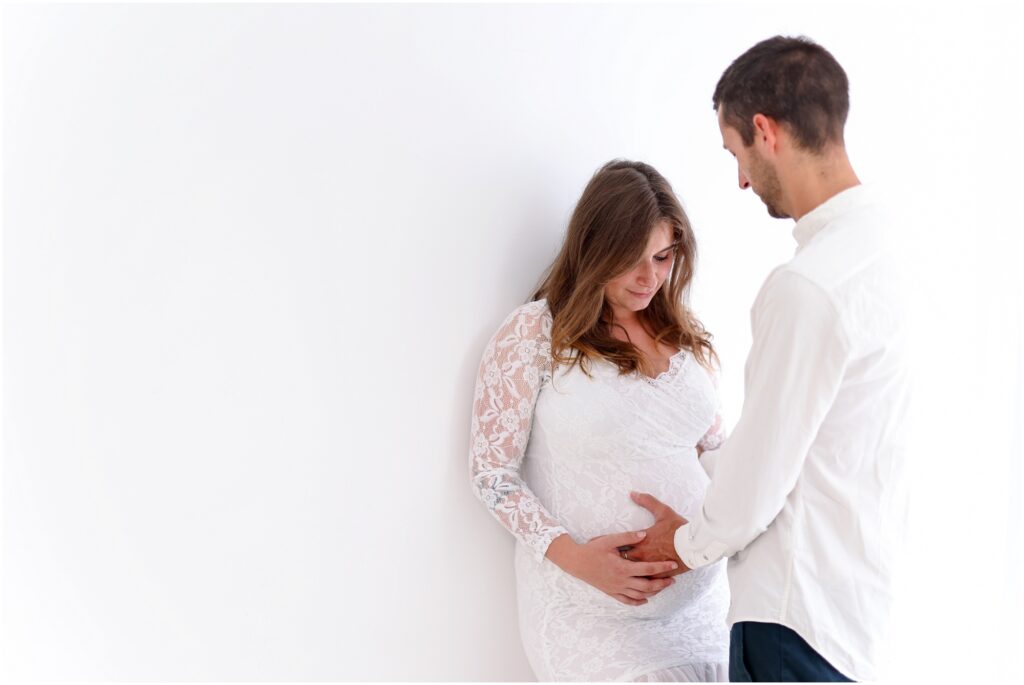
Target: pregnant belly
x,y
598,503
595,500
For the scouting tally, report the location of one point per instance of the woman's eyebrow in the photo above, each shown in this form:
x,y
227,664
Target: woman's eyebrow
x,y
675,244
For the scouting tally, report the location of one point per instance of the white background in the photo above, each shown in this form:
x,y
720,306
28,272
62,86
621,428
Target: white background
x,y
252,254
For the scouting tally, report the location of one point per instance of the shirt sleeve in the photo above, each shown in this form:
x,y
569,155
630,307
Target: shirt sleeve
x,y
796,364
515,363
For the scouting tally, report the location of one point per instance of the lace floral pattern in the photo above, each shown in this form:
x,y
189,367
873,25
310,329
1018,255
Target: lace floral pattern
x,y
713,439
516,362
556,451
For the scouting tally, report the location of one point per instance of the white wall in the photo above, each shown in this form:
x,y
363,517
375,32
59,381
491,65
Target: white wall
x,y
252,255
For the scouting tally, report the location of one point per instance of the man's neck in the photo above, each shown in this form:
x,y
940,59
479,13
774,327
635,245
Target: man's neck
x,y
813,179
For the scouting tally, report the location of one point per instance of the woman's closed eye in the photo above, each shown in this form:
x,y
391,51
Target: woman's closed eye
x,y
664,257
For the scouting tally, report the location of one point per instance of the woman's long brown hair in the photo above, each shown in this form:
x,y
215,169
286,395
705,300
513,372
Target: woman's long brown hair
x,y
607,236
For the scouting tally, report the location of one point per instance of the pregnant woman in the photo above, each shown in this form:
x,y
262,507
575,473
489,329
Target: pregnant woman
x,y
601,386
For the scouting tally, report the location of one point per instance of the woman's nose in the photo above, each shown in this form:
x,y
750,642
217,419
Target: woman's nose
x,y
648,275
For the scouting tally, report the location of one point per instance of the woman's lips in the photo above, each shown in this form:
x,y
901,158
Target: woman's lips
x,y
633,292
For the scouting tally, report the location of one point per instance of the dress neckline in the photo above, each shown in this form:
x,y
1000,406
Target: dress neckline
x,y
674,363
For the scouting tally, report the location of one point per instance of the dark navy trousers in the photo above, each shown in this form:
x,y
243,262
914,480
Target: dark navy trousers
x,y
769,652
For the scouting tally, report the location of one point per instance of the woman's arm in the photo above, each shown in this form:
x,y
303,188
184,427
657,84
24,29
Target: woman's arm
x,y
515,364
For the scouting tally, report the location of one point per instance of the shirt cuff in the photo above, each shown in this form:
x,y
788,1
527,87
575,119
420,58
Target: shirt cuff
x,y
691,557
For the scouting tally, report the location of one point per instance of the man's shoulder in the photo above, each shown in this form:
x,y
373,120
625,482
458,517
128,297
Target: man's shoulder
x,y
854,271
847,249
789,284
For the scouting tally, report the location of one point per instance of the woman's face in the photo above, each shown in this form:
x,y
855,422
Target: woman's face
x,y
633,290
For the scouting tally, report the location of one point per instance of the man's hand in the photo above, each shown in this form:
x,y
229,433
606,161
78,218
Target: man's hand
x,y
659,543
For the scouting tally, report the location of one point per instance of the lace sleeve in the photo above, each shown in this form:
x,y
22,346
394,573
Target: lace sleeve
x,y
713,439
515,363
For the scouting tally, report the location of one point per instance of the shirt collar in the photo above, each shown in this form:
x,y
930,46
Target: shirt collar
x,y
842,202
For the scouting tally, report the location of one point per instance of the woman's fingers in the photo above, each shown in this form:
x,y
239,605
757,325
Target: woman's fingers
x,y
634,594
616,540
649,587
651,568
629,600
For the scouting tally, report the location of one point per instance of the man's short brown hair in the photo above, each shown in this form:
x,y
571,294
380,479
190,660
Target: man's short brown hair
x,y
792,80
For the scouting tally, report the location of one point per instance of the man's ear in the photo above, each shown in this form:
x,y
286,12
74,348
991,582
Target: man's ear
x,y
766,133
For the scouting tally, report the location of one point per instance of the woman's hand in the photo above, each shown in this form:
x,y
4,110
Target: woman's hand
x,y
600,564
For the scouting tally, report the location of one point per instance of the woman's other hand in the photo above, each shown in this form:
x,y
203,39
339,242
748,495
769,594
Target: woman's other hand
x,y
601,564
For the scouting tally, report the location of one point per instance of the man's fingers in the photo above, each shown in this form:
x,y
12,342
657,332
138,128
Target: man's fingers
x,y
670,573
652,568
648,502
634,594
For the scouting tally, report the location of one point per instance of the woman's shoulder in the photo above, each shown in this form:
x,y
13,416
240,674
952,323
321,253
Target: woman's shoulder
x,y
530,318
525,334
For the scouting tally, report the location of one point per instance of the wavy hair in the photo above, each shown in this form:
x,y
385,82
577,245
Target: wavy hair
x,y
607,236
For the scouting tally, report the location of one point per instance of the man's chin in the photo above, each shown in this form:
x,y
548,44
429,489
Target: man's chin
x,y
776,214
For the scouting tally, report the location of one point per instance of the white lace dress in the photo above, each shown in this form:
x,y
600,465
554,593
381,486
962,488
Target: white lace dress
x,y
553,451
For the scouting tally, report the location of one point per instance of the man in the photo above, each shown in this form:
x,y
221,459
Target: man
x,y
805,495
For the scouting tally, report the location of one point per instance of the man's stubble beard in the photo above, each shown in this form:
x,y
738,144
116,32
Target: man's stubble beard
x,y
768,187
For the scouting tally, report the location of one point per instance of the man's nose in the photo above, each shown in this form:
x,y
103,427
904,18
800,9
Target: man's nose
x,y
744,181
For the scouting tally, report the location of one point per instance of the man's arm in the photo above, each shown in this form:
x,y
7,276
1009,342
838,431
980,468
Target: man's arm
x,y
793,373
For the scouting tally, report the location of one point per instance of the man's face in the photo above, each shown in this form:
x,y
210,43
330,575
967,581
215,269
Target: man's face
x,y
755,172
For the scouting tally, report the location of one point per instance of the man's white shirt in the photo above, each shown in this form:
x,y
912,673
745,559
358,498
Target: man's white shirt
x,y
807,495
